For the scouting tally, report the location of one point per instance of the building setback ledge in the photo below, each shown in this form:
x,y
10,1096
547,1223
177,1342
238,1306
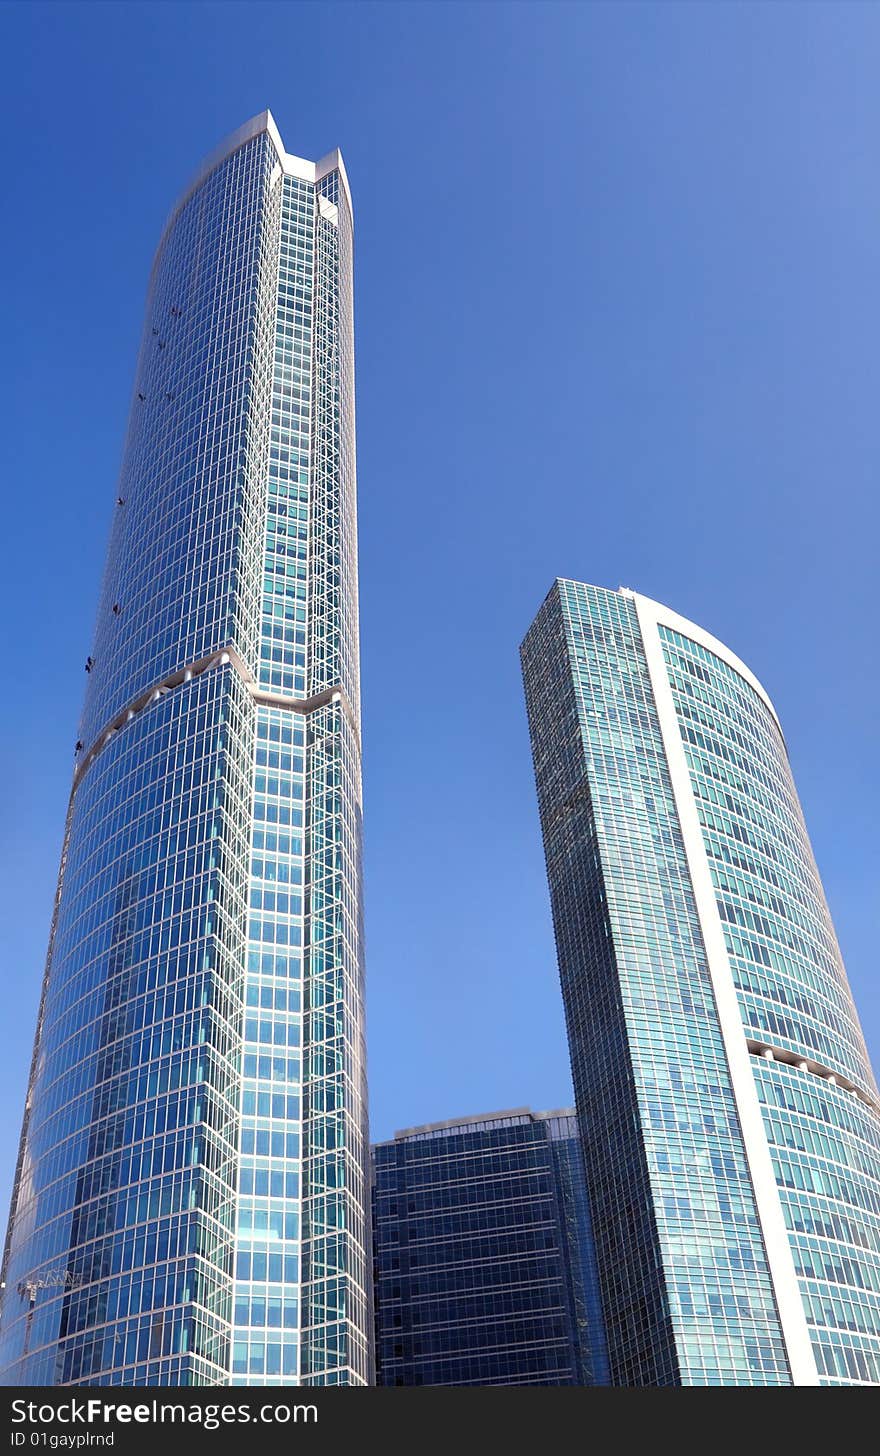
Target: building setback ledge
x,y
225,657
806,1064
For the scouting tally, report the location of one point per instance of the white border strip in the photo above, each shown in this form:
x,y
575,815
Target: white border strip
x,y
792,1317
675,623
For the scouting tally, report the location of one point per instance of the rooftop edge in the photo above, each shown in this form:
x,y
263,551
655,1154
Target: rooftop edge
x,y
291,165
665,617
475,1121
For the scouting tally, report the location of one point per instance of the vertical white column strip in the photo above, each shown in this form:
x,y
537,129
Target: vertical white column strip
x,y
792,1317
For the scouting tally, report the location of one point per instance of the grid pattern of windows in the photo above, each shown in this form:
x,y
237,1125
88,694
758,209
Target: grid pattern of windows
x,y
191,489
267,1268
485,1272
793,995
120,1258
337,1265
191,1202
265,1337
283,617
686,1289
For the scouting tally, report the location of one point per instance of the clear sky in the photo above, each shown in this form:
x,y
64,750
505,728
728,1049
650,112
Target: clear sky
x,y
618,319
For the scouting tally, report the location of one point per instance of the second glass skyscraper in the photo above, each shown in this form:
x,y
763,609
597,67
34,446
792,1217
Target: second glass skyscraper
x,y
731,1121
191,1201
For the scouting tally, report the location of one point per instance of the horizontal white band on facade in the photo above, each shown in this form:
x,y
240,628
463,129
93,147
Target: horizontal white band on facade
x,y
806,1064
225,657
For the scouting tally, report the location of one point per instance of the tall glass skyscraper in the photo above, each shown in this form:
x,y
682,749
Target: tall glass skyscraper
x,y
485,1270
191,1197
731,1121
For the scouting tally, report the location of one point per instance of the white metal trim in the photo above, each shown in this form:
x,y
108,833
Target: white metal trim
x,y
675,623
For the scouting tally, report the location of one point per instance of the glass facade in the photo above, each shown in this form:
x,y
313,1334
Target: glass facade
x,y
485,1270
191,1198
732,1123
796,1008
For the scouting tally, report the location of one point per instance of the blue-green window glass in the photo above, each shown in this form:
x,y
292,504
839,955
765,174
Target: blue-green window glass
x,y
793,995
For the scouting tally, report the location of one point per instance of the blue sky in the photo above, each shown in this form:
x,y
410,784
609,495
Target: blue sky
x,y
618,312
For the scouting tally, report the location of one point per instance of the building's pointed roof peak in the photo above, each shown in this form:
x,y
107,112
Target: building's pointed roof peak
x,y
263,122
